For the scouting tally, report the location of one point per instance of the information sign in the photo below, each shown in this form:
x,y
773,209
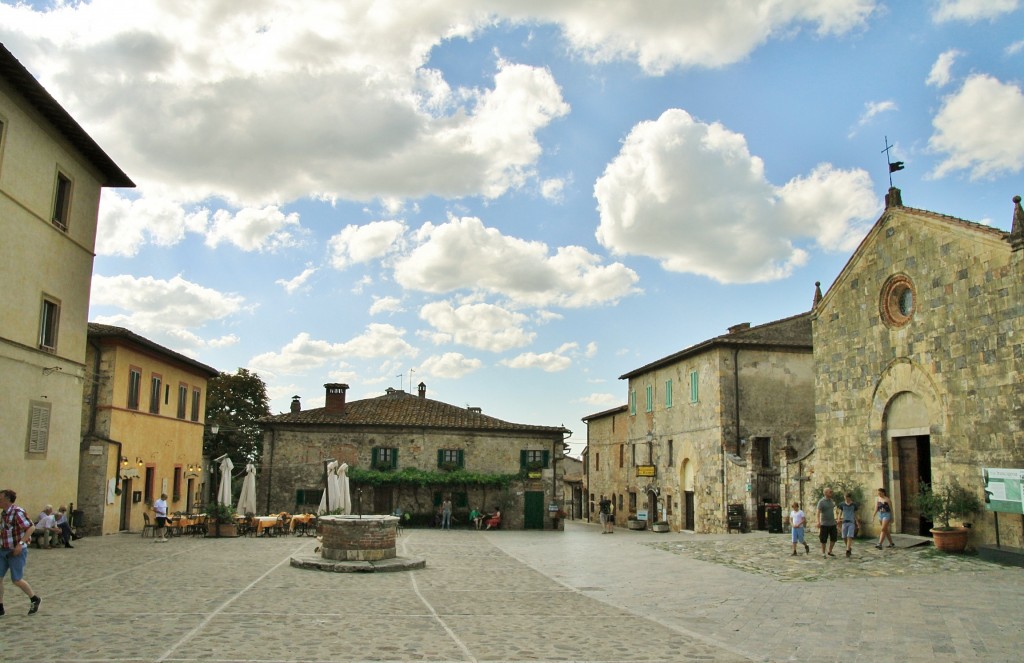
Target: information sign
x,y
1004,490
645,470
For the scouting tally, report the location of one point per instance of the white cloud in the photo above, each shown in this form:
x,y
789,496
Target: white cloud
x,y
604,401
379,340
463,254
358,244
1015,48
939,76
292,285
691,195
552,189
164,310
550,362
252,229
481,326
451,365
977,129
298,356
871,109
385,305
126,224
972,10
665,34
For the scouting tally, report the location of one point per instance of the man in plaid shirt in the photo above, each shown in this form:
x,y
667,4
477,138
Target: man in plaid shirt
x,y
15,535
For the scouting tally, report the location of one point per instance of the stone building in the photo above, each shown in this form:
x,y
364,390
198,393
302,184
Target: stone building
x,y
398,430
143,408
716,424
919,352
51,174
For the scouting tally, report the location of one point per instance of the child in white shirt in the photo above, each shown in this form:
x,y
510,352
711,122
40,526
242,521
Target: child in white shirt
x,y
798,522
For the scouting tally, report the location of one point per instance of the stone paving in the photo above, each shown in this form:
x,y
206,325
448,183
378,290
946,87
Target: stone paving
x,y
511,596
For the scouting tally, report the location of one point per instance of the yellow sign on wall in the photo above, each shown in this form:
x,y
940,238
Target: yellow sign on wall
x,y
645,470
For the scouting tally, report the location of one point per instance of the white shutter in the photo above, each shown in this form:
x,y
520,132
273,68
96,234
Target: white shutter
x,y
39,428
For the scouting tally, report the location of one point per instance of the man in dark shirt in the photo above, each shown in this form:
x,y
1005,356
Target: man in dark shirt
x,y
827,523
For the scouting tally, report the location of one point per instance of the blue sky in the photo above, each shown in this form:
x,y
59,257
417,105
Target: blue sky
x,y
513,201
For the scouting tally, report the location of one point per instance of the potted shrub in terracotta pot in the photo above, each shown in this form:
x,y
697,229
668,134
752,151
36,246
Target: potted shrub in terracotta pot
x,y
944,504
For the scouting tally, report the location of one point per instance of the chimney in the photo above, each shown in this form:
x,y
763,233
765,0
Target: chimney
x,y
817,294
421,388
296,405
477,410
335,403
894,198
743,326
1017,229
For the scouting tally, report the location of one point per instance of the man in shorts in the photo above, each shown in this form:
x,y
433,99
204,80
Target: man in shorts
x,y
605,508
15,535
827,523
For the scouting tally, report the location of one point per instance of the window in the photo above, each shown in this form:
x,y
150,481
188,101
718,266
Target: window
x,y
632,401
451,459
38,427
632,502
49,322
384,458
670,452
308,499
619,508
622,455
134,387
167,394
182,400
632,448
597,460
150,482
195,405
668,394
533,459
650,398
176,487
62,202
694,394
154,394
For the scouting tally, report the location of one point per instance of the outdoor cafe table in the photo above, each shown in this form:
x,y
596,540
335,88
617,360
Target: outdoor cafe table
x,y
179,524
300,519
264,523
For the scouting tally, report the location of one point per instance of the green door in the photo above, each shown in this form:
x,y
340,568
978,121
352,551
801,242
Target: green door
x,y
534,516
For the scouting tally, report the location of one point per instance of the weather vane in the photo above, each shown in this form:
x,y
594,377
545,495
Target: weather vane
x,y
893,165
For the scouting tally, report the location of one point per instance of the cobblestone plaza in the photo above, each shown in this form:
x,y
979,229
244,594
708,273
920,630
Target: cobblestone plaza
x,y
515,596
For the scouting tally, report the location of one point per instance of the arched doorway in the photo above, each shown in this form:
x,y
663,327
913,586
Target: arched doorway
x,y
686,481
908,432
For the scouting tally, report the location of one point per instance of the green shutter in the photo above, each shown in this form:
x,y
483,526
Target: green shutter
x,y
462,459
394,458
522,459
632,401
374,455
546,458
693,386
668,393
440,459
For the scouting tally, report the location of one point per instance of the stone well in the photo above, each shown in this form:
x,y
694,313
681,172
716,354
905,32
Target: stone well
x,y
355,538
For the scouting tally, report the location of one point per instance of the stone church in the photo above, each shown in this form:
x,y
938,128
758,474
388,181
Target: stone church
x,y
919,354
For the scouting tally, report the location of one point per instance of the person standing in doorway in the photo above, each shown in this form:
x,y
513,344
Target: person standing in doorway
x,y
883,508
446,513
850,522
827,523
15,535
797,521
605,511
160,508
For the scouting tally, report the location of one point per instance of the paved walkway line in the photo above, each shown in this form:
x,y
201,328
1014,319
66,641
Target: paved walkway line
x,y
433,613
208,618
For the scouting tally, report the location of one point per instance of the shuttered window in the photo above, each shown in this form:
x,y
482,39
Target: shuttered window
x,y
39,427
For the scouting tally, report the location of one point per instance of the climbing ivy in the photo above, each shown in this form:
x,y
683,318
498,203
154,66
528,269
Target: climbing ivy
x,y
416,478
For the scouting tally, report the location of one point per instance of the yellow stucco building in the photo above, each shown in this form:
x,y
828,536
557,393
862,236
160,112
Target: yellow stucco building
x,y
51,173
143,411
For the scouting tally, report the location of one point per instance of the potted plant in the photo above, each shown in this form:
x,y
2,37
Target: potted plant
x,y
942,505
660,526
222,521
634,523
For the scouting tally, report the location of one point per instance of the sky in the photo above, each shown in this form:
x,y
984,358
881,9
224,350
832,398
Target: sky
x,y
512,201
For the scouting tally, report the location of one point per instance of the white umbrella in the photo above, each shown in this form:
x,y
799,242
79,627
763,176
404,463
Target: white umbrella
x,y
332,495
247,500
344,494
224,493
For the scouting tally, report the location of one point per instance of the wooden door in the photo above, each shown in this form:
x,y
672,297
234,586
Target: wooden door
x,y
688,510
915,470
533,515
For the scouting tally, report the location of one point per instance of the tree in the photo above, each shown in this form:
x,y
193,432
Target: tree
x,y
235,404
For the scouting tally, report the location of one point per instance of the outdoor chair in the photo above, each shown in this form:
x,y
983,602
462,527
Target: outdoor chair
x,y
148,527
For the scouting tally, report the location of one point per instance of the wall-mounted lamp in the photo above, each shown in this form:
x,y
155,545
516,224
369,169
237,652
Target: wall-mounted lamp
x,y
138,461
214,428
124,461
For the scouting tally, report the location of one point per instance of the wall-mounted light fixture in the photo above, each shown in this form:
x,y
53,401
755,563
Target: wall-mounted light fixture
x,y
138,461
124,461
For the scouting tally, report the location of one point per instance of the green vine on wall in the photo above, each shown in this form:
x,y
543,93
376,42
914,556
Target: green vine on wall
x,y
417,478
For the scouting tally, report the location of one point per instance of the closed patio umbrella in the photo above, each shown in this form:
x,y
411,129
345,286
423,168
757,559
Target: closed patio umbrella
x,y
331,500
247,500
224,492
344,494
